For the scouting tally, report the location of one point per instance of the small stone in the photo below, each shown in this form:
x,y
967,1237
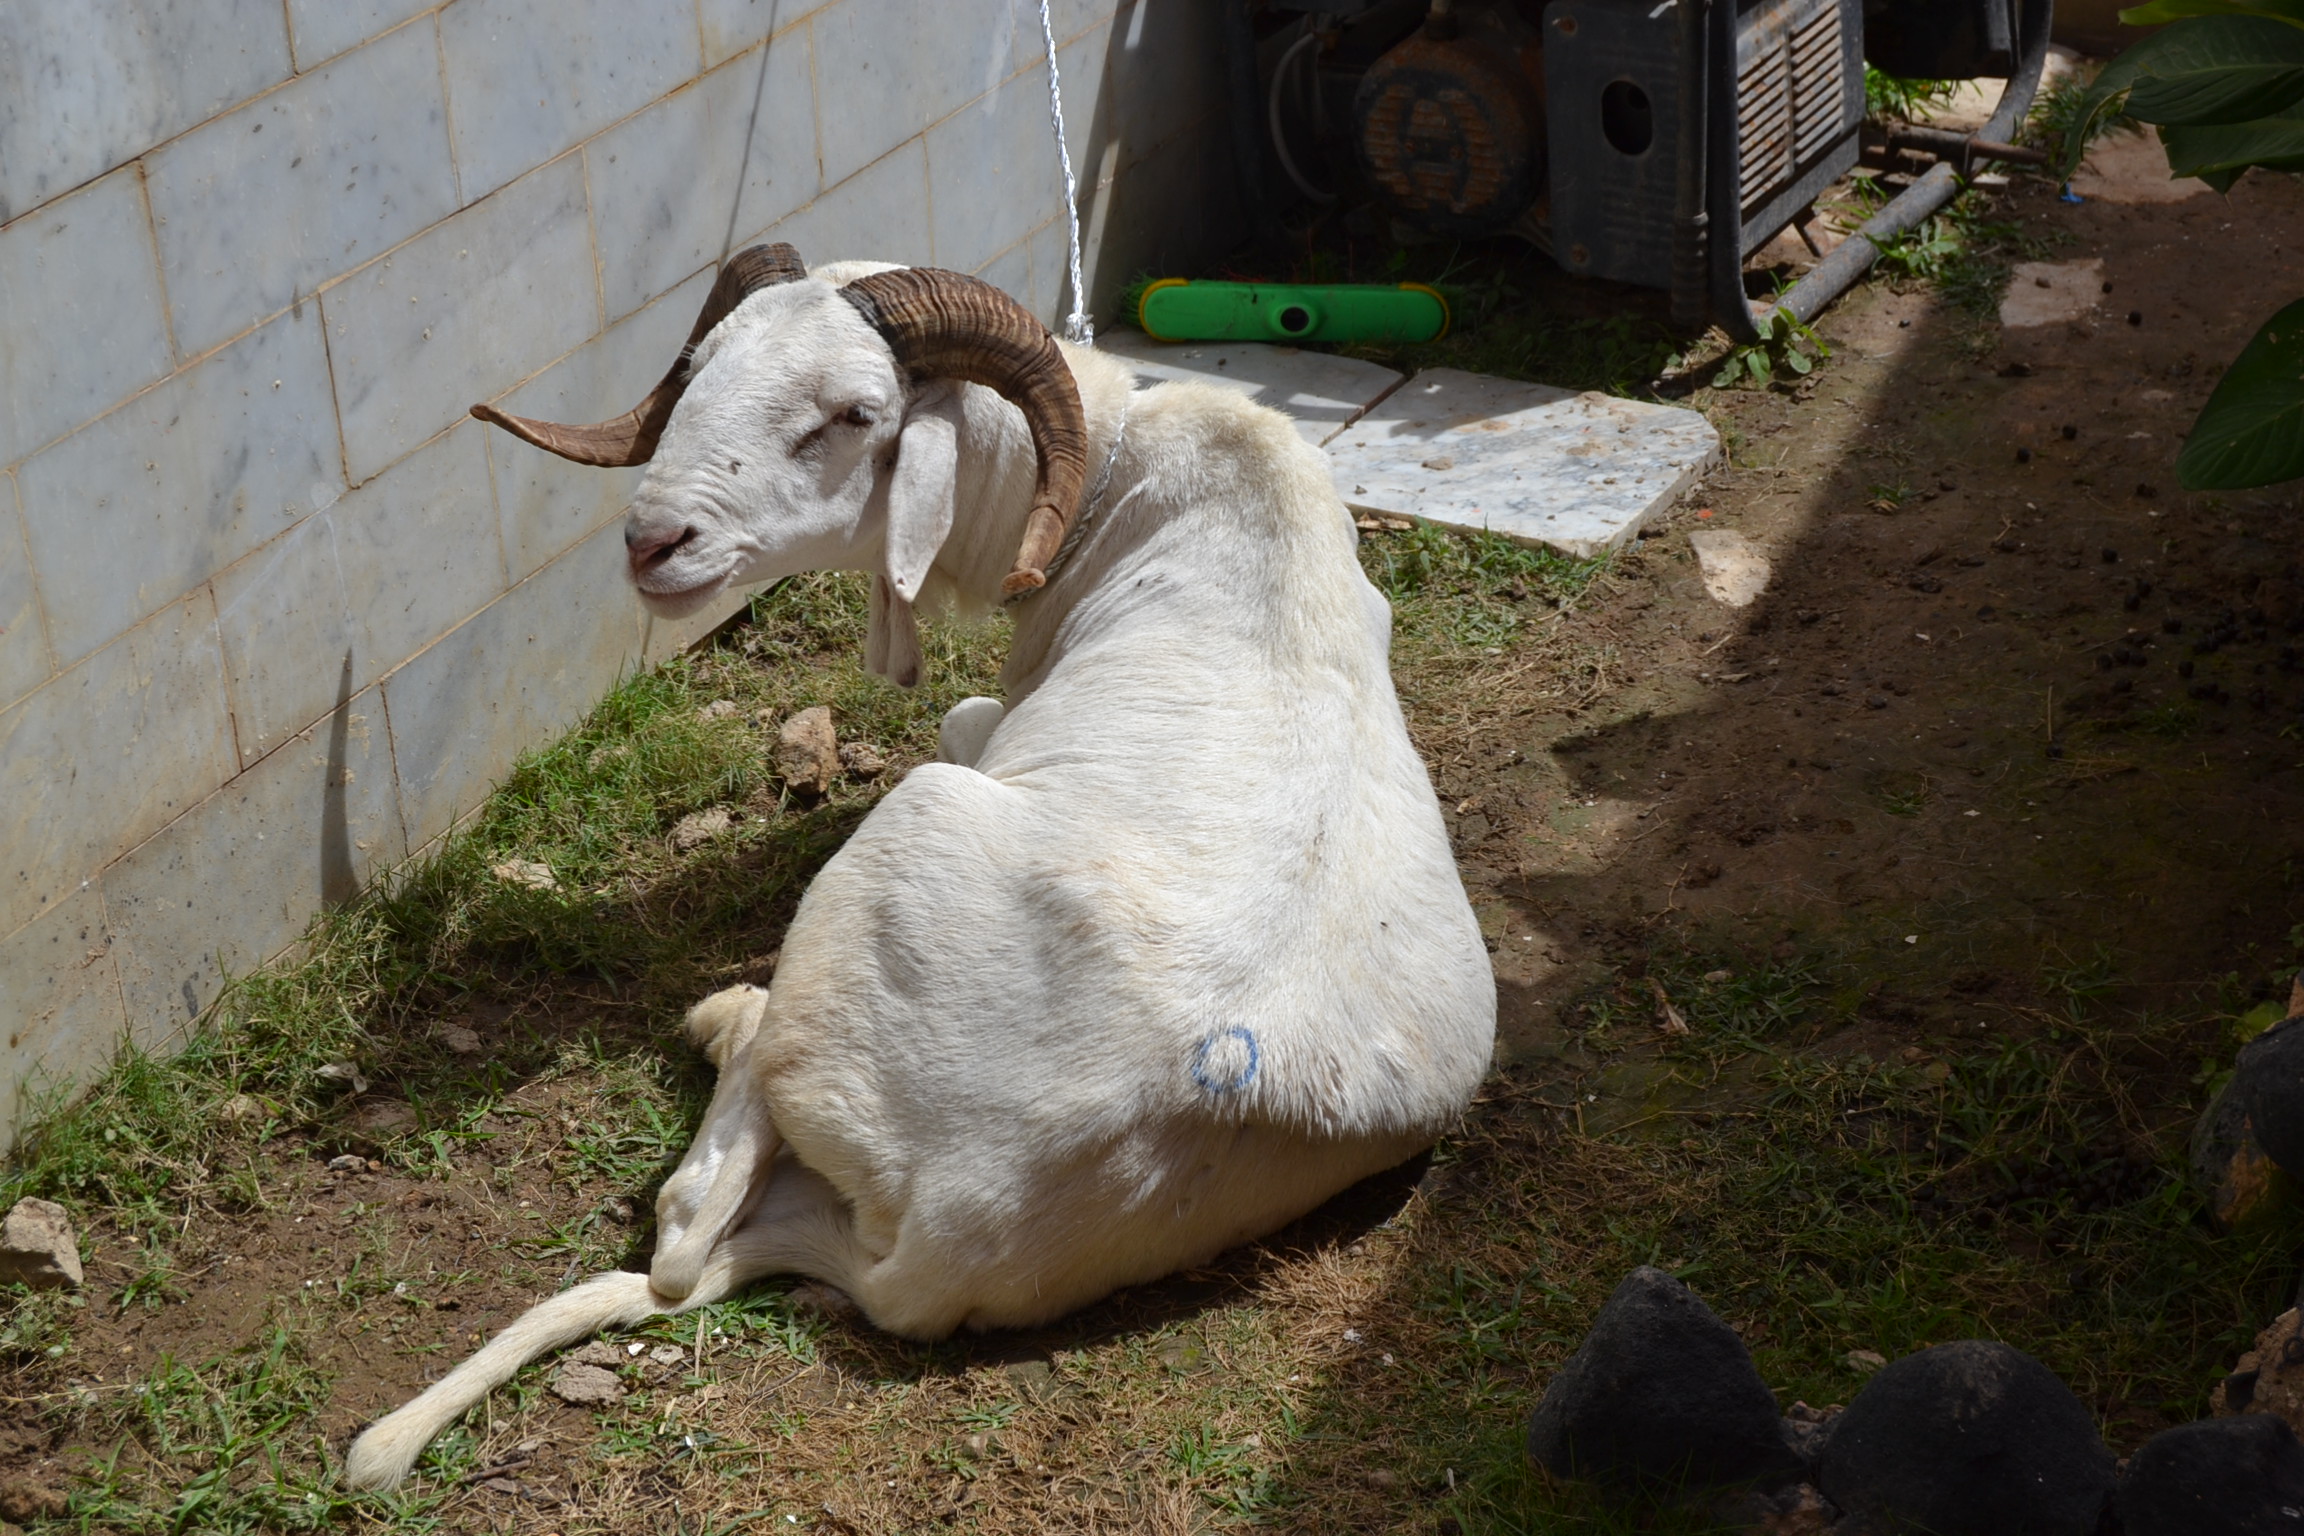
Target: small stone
x,y
526,872
348,1162
862,760
1661,1394
668,1354
599,1352
2218,1477
244,1109
586,1386
460,1038
1735,573
807,754
38,1248
719,709
1866,1361
1971,1438
697,828
345,1072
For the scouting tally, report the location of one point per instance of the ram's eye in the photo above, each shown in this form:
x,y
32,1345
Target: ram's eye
x,y
858,416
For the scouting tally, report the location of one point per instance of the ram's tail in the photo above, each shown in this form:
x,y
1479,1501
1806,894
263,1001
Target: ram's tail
x,y
382,1456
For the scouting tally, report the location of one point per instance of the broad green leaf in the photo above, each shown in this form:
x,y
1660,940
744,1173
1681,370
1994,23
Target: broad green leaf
x,y
2189,46
1797,361
2161,11
2251,431
2222,94
2212,150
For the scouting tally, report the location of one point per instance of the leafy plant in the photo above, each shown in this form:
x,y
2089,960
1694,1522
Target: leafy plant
x,y
1894,96
2224,82
1780,347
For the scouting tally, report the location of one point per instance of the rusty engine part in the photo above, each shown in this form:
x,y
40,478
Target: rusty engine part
x,y
1450,123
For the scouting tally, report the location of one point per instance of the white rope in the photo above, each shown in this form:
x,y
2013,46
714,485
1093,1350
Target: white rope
x,y
1077,330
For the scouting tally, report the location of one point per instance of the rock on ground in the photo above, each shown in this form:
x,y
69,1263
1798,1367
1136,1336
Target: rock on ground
x,y
1661,1394
2219,1477
527,872
2269,1082
2269,1379
1734,571
1969,1439
807,754
2228,1165
38,1247
697,828
862,760
586,1385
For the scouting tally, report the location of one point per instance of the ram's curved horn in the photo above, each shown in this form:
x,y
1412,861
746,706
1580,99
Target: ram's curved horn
x,y
631,437
947,325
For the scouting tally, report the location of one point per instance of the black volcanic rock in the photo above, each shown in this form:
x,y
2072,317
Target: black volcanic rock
x,y
1968,1439
1662,1394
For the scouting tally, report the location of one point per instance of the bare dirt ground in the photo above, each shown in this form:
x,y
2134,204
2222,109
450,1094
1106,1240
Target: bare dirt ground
x,y
2014,724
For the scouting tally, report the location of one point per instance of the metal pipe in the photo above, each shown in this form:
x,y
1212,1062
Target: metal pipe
x,y
1689,220
1833,276
1724,178
1245,117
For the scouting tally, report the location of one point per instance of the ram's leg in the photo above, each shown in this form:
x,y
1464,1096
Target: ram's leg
x,y
967,726
726,1171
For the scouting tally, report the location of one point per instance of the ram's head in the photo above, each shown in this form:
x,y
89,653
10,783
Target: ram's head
x,y
807,426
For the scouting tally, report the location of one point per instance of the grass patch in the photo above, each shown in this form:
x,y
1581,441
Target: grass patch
x,y
2028,1187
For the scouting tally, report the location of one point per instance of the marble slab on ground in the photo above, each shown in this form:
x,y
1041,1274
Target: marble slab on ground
x,y
1577,472
1322,392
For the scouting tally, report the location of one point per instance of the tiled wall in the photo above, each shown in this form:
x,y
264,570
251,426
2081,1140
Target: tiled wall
x,y
273,611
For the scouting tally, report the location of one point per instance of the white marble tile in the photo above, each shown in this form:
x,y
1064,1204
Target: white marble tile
x,y
60,1000
82,267
878,214
318,30
363,585
86,85
130,513
235,880
525,669
886,69
260,207
107,752
545,503
1318,390
993,175
1051,296
671,186
732,26
460,314
24,659
530,78
1577,472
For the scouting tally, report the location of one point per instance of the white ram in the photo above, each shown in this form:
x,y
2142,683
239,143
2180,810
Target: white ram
x,y
1168,952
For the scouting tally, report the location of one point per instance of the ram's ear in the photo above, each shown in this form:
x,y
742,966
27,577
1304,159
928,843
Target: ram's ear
x,y
921,491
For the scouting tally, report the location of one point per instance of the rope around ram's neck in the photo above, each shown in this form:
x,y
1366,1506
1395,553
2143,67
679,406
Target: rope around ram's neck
x,y
1077,330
